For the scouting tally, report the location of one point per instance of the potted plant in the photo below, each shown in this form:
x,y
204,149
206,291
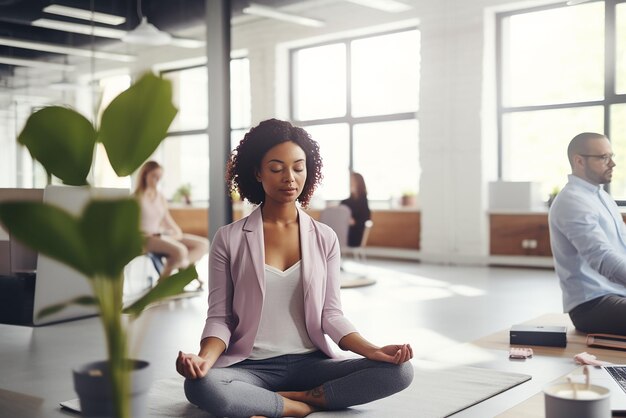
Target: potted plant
x,y
555,191
183,194
408,198
106,236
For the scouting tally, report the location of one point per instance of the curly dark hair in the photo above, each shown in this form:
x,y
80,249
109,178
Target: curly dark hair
x,y
246,159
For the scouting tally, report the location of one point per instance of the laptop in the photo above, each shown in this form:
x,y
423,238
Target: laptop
x,y
613,377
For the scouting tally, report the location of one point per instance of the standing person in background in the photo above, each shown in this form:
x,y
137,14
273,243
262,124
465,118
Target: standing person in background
x,y
357,202
274,296
163,235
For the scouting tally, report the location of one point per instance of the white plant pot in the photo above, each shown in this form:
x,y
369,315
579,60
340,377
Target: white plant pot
x,y
93,386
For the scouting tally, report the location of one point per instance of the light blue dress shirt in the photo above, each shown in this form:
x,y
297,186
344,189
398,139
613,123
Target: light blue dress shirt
x,y
587,235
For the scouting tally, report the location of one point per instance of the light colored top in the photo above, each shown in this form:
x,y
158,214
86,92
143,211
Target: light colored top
x,y
237,286
587,235
153,212
282,329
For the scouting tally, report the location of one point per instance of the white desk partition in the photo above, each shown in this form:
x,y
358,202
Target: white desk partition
x,y
14,256
56,282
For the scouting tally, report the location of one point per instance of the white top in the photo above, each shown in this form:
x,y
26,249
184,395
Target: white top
x,y
153,212
282,329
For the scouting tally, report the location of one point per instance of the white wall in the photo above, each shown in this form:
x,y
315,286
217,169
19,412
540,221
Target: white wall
x,y
457,106
454,221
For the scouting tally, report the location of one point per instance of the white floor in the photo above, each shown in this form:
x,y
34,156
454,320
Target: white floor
x,y
430,306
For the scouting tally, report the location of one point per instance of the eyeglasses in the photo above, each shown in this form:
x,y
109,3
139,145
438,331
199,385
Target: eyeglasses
x,y
604,157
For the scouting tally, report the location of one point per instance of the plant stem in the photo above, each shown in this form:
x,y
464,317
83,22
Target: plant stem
x,y
110,300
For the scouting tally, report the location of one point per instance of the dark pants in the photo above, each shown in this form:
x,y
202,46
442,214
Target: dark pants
x,y
606,314
249,388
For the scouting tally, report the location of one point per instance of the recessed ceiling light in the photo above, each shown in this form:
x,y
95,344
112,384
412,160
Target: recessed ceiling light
x,y
79,28
20,62
83,14
264,11
392,6
186,42
68,50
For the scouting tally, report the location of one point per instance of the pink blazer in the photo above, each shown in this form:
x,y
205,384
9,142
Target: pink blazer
x,y
237,286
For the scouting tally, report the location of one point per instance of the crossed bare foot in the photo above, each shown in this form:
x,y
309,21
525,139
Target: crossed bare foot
x,y
301,404
293,408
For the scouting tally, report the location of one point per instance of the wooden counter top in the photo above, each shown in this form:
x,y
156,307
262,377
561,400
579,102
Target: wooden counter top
x,y
393,228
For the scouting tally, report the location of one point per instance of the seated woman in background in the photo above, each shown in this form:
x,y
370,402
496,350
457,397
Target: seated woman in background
x,y
163,235
357,202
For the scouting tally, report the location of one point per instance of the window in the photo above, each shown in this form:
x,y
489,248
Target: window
x,y
240,100
334,141
103,173
620,38
358,98
385,74
185,162
555,82
184,154
33,175
190,92
320,82
391,164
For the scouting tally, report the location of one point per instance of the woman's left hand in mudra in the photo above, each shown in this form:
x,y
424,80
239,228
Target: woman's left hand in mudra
x,y
395,353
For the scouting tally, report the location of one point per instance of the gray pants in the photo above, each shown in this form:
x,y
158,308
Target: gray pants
x,y
248,388
606,314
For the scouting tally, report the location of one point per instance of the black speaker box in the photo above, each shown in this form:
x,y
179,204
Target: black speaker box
x,y
549,336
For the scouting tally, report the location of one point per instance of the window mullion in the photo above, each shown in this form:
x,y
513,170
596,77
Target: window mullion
x,y
609,62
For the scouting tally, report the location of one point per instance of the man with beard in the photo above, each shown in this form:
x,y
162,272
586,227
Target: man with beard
x,y
588,239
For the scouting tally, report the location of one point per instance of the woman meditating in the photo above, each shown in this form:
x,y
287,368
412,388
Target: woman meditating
x,y
274,295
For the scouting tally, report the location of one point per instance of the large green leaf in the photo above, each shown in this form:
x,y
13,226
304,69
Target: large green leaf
x,y
136,122
110,229
62,140
52,309
166,287
48,230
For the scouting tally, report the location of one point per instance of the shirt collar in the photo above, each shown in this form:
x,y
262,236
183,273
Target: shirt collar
x,y
583,183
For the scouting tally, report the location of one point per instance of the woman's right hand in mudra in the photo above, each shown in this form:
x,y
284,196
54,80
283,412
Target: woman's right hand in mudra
x,y
191,366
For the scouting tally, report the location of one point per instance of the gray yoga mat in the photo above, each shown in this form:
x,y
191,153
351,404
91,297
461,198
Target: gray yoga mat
x,y
436,391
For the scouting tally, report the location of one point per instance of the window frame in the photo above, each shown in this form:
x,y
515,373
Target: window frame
x,y
348,118
610,66
180,134
185,132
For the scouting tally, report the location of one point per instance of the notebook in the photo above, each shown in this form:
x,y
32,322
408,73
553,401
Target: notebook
x,y
73,405
617,342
